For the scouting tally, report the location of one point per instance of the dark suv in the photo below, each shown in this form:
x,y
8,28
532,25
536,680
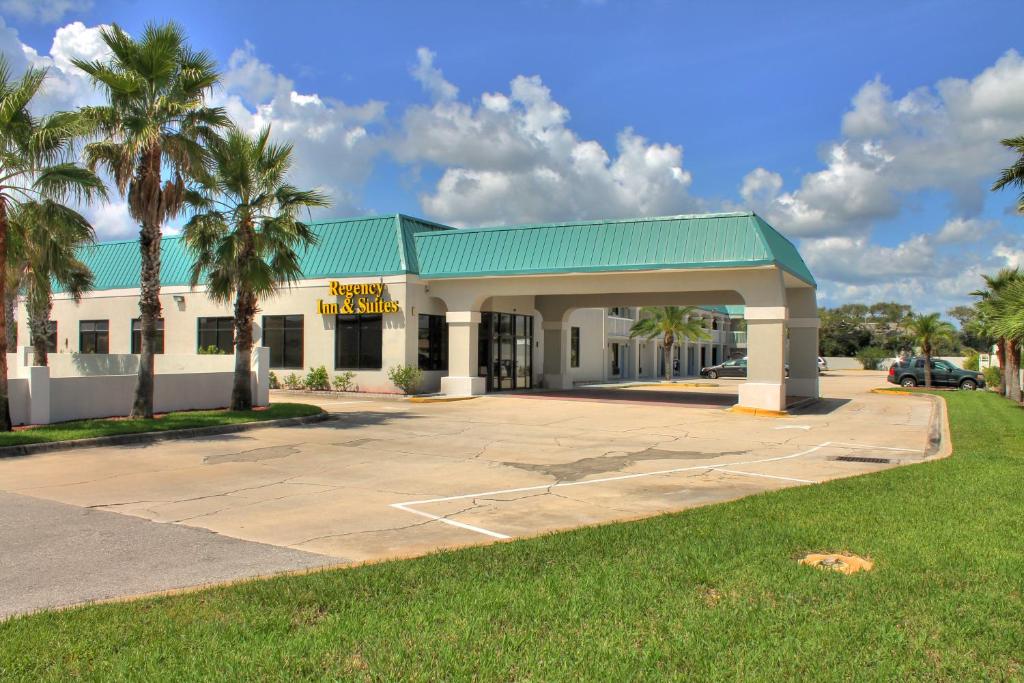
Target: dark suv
x,y
910,373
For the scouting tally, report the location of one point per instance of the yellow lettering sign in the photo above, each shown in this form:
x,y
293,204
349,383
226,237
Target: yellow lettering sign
x,y
358,298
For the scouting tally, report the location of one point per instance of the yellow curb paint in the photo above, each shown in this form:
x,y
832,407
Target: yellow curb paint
x,y
759,412
897,392
440,399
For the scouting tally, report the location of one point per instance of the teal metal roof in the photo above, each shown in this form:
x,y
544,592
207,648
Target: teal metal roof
x,y
399,244
726,240
733,311
372,245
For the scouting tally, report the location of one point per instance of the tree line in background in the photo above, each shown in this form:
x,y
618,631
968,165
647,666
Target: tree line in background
x,y
167,153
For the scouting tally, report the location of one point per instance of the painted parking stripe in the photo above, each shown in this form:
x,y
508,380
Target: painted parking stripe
x,y
407,506
765,476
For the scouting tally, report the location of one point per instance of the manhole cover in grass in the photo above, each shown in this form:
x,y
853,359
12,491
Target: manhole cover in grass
x,y
838,562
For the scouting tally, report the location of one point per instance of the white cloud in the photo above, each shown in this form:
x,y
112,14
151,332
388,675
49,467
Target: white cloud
x,y
334,146
962,230
1012,254
513,158
943,138
43,11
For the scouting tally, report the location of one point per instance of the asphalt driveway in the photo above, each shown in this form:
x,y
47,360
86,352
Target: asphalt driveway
x,y
388,479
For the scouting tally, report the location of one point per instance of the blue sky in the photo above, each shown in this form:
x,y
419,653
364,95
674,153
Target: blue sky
x,y
867,132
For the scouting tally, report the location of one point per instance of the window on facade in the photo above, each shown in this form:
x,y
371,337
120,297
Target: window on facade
x,y
94,336
283,335
137,336
357,342
433,342
217,332
51,336
574,347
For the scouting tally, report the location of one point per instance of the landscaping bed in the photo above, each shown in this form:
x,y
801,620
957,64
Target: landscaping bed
x,y
116,426
710,593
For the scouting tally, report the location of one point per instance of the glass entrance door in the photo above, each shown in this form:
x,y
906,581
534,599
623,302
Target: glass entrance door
x,y
506,351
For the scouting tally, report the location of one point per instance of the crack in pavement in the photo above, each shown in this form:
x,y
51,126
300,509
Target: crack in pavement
x,y
585,467
384,529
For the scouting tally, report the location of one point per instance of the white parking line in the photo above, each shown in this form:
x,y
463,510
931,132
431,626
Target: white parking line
x,y
406,506
766,476
865,446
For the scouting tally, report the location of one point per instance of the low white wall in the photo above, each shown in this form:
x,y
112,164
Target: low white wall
x,y
84,386
845,363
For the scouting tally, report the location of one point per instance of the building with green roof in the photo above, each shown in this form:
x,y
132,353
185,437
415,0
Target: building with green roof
x,y
486,309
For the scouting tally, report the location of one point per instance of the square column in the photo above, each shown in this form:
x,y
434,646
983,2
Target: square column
x,y
803,357
556,355
463,346
765,388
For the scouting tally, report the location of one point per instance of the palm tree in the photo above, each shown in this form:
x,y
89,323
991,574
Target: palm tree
x,y
670,323
245,233
926,330
1009,357
1007,321
1014,175
155,122
34,166
45,239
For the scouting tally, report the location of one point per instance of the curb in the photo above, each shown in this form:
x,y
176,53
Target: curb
x,y
439,399
153,437
758,412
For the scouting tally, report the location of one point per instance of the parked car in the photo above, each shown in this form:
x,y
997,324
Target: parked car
x,y
822,365
736,367
910,373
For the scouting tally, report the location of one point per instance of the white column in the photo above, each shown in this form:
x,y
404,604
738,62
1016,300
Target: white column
x,y
38,377
556,355
261,376
463,366
765,388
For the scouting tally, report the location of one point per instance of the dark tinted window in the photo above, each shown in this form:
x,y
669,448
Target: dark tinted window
x,y
433,342
137,336
574,347
283,334
357,342
218,332
94,336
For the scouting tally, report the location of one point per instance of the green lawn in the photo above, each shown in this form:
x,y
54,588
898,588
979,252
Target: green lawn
x,y
712,593
85,429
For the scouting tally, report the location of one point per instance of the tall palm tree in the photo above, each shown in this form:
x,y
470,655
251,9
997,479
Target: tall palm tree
x,y
44,244
35,165
1014,175
671,323
245,233
154,124
1009,357
1007,321
927,329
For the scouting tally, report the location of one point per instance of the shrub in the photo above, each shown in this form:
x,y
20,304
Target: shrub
x,y
275,383
871,356
317,379
406,377
971,360
293,381
212,350
343,382
993,376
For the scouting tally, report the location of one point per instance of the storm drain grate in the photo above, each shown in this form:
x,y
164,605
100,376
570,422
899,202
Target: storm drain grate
x,y
862,458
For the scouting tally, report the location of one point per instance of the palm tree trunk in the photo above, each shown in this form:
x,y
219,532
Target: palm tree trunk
x,y
148,198
927,368
1001,355
667,353
38,316
11,305
1012,373
5,407
241,391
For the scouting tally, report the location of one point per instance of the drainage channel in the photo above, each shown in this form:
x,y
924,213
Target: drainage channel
x,y
863,458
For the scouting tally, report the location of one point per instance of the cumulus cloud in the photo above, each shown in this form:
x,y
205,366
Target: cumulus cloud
x,y
43,11
334,142
944,137
962,230
513,158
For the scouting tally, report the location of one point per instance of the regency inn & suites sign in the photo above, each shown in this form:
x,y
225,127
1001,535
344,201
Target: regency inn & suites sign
x,y
354,299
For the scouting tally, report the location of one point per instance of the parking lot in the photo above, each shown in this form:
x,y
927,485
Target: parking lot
x,y
387,478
